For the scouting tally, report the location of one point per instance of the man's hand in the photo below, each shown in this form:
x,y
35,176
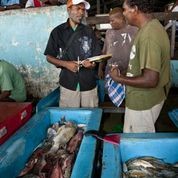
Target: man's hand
x,y
72,66
87,64
114,73
100,74
101,70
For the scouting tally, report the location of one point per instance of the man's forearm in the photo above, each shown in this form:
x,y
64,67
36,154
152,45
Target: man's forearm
x,y
140,81
148,79
55,61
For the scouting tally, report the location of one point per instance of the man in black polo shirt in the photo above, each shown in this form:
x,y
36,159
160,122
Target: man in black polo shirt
x,y
77,82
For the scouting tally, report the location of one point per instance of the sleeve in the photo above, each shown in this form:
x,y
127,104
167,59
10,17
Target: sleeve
x,y
29,3
104,50
96,45
6,82
150,55
52,47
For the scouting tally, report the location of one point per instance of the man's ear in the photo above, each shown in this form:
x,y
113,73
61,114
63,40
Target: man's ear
x,y
136,9
68,9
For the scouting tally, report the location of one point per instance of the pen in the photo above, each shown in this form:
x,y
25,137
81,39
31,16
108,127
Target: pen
x,y
78,62
60,52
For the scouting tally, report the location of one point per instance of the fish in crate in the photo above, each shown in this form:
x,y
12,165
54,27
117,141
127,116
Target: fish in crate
x,y
148,166
56,155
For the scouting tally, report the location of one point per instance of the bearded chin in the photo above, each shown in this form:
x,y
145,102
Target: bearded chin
x,y
84,21
78,20
81,19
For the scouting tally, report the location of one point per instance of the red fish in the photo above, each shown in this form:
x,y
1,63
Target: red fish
x,y
57,171
33,160
75,141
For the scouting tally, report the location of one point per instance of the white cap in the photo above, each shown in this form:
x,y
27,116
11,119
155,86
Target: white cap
x,y
75,2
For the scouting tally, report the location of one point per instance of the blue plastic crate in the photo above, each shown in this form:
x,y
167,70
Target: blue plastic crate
x,y
174,73
52,99
174,116
15,152
160,145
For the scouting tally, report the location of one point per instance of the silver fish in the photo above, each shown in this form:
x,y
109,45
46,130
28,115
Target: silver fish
x,y
149,167
137,174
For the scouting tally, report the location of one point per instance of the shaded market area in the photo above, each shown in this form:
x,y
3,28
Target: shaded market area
x,y
39,139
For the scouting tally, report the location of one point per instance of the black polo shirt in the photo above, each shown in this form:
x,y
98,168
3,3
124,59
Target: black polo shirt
x,y
84,45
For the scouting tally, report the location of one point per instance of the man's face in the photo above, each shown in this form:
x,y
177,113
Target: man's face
x,y
128,13
116,21
76,13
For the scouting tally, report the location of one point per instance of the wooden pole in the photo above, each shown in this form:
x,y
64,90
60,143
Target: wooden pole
x,y
98,7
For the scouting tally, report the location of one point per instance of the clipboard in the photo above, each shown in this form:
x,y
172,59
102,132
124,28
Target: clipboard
x,y
100,58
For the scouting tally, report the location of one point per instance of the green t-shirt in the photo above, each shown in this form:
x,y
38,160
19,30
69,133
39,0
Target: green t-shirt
x,y
11,80
151,50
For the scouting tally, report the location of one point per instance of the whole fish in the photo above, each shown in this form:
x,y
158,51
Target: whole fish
x,y
64,134
32,161
75,141
148,166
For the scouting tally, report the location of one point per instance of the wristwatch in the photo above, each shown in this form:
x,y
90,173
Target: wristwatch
x,y
5,7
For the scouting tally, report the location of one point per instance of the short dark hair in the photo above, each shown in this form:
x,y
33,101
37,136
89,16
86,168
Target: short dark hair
x,y
118,11
146,6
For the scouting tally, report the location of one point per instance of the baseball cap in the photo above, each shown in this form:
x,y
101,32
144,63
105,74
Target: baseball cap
x,y
75,2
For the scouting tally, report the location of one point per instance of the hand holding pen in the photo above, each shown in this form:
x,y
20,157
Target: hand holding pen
x,y
87,64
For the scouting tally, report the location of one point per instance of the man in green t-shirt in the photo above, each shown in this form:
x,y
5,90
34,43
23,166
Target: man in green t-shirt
x,y
12,85
148,75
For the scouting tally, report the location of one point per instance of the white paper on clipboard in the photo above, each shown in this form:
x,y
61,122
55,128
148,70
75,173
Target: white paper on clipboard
x,y
100,58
